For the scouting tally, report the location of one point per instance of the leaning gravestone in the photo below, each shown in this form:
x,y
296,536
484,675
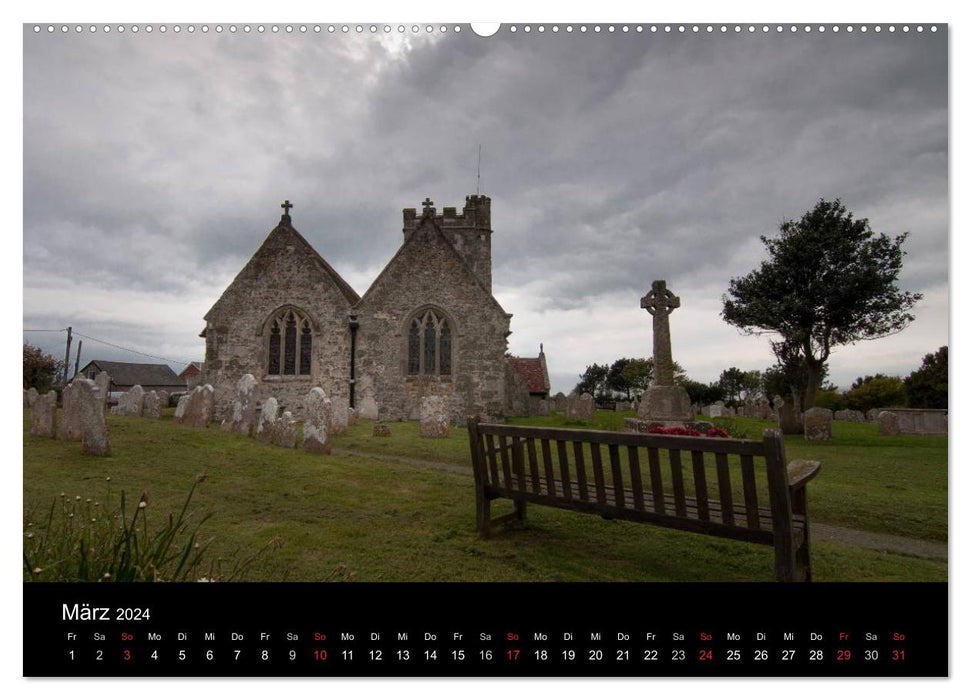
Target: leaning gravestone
x,y
433,417
69,427
317,410
243,410
817,424
42,416
888,423
91,417
151,406
198,409
284,432
180,408
103,382
266,422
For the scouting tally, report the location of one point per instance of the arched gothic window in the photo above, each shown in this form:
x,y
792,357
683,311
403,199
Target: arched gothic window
x,y
429,344
286,356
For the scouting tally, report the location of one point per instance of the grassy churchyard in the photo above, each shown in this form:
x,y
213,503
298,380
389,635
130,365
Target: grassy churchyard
x,y
402,508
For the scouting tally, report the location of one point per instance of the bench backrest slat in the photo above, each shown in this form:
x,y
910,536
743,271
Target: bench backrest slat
x,y
635,477
596,460
533,466
657,483
548,467
565,481
701,483
751,495
517,463
504,460
491,456
614,452
581,471
677,483
725,489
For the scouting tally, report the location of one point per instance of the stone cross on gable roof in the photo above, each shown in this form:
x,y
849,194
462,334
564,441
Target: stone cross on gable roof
x,y
286,207
427,206
660,302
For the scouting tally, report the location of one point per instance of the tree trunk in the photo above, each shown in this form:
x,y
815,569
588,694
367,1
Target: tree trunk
x,y
814,373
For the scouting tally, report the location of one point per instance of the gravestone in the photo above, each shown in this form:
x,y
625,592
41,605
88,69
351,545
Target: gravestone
x,y
433,417
103,383
621,406
849,416
817,424
163,398
43,414
871,415
717,410
317,410
579,407
748,408
69,427
790,420
367,407
762,409
179,408
91,418
130,403
920,421
284,431
337,418
31,397
888,423
559,401
151,406
266,422
543,407
198,407
243,410
380,430
663,402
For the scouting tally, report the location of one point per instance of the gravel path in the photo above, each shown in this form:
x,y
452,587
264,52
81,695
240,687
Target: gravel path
x,y
878,541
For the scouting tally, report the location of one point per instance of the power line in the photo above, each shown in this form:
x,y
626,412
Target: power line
x,y
136,352
45,330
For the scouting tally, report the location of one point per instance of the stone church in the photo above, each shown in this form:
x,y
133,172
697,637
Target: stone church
x,y
427,325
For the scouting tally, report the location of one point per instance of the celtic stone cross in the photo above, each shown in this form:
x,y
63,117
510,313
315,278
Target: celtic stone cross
x,y
660,302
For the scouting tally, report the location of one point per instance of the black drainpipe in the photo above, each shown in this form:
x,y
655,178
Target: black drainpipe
x,y
352,322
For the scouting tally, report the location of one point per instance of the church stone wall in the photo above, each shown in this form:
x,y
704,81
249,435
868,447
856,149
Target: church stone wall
x,y
284,271
427,271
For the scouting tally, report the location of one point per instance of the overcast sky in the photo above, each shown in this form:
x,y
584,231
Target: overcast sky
x,y
154,166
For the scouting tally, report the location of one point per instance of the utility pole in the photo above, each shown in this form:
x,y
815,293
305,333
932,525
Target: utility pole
x,y
77,357
67,354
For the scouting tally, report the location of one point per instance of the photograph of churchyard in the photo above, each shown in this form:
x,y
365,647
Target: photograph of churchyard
x,y
564,303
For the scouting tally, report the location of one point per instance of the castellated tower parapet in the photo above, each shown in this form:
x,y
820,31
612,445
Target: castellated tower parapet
x,y
470,232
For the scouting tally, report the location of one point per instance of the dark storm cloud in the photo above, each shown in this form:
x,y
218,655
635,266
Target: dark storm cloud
x,y
156,164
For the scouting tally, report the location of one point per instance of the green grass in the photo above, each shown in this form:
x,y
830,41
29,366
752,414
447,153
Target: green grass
x,y
388,519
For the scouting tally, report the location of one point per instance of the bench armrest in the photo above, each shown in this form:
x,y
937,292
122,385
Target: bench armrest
x,y
801,471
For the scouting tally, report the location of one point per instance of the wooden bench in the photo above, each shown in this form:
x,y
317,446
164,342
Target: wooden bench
x,y
517,462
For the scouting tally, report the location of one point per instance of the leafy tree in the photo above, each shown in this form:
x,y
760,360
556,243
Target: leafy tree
x,y
732,383
926,387
877,391
701,393
630,376
831,399
39,369
752,383
593,381
829,281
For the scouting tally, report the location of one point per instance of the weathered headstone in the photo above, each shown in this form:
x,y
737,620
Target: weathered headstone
x,y
284,432
817,424
716,410
579,407
663,402
621,406
198,409
543,407
916,421
151,406
888,423
42,417
317,409
243,410
790,420
31,397
762,408
871,415
163,398
130,403
266,423
367,406
69,427
180,408
433,417
337,418
103,383
380,430
91,417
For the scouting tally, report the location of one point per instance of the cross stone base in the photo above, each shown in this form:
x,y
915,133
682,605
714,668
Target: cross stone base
x,y
665,403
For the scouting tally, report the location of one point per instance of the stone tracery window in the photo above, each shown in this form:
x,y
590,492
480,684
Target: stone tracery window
x,y
285,356
429,344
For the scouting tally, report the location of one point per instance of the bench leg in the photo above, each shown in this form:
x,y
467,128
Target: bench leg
x,y
520,510
800,506
483,515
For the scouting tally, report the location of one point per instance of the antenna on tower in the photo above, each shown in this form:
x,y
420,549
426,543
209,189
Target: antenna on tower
x,y
478,171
